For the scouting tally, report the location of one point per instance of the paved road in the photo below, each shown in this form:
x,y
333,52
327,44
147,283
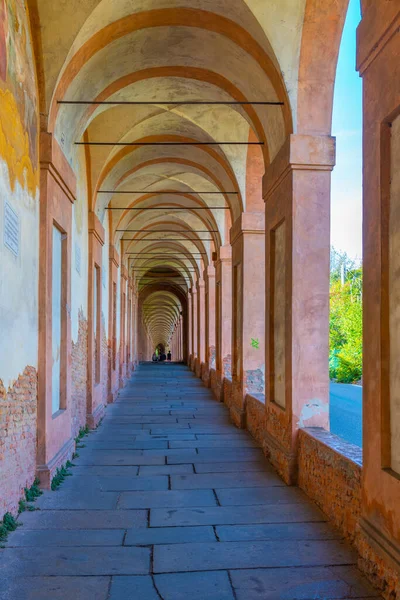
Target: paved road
x,y
346,412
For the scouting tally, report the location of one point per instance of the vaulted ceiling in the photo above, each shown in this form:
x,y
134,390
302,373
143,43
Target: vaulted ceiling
x,y
172,157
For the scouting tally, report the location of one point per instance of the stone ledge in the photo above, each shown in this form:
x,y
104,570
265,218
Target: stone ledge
x,y
329,471
336,444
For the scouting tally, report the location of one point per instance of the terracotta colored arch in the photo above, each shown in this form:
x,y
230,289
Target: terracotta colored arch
x,y
125,151
195,73
322,33
180,161
184,17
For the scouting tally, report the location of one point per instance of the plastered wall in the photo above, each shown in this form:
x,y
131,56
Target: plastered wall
x,y
19,254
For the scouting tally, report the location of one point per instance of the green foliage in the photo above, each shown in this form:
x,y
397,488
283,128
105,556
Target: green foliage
x,y
30,496
6,525
33,492
345,344
23,506
59,477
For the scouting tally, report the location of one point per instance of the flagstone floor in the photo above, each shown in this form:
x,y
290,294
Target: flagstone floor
x,y
169,501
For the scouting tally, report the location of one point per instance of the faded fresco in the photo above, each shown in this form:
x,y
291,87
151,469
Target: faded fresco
x,y
18,115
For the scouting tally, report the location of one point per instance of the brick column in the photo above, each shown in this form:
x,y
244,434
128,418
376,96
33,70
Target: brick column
x,y
194,327
223,319
135,326
201,326
113,354
190,330
248,311
123,323
55,440
95,400
297,228
378,61
209,278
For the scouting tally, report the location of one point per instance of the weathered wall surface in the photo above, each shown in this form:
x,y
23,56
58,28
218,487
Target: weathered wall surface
x,y
19,228
17,439
79,299
79,358
329,471
255,415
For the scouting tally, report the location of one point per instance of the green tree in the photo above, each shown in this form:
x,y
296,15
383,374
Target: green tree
x,y
345,343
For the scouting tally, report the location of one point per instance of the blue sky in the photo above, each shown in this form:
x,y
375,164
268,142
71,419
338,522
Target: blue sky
x,y
346,206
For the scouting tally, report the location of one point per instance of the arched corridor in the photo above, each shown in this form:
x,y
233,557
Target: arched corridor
x,y
165,170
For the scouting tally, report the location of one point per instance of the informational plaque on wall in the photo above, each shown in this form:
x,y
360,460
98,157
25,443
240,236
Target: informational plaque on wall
x,y
11,229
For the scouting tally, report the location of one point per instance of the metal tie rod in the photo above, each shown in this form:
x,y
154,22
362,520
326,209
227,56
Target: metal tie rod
x,y
159,192
172,209
167,103
169,143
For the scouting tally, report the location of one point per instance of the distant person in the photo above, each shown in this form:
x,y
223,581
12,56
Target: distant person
x,y
169,355
154,358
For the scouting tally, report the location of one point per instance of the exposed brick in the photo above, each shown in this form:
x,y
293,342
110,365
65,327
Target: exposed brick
x,y
255,416
18,417
328,473
79,365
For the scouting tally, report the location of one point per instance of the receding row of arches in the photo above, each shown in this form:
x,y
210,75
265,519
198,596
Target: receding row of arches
x,y
167,172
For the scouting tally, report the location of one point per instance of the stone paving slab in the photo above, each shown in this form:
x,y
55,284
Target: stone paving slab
x,y
206,455
118,458
84,519
169,535
235,515
169,499
104,471
122,445
195,586
221,443
55,588
165,469
84,500
76,561
246,555
133,588
156,430
229,480
192,452
326,583
118,484
232,467
276,531
80,537
260,495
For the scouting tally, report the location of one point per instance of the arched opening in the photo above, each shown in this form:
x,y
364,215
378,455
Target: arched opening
x,y
345,360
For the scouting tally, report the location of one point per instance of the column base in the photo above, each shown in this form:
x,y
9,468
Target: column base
x,y
197,367
205,374
227,393
237,404
217,385
284,461
46,472
93,419
379,559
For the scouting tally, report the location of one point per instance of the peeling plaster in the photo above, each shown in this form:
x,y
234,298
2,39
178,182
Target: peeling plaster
x,y
312,409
